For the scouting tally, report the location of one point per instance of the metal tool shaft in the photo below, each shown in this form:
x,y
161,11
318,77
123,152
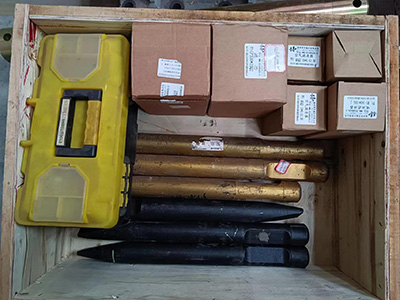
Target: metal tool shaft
x,y
167,209
203,233
205,188
232,147
154,253
222,167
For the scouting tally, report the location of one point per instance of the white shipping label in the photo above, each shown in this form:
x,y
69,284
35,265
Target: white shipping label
x,y
169,68
360,107
305,111
304,56
63,122
352,131
208,144
275,55
254,61
282,166
171,101
179,106
172,89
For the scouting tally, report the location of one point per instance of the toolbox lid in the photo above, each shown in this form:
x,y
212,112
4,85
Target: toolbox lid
x,y
76,56
60,196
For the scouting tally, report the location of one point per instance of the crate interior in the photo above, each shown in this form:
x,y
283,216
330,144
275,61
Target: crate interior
x,y
346,216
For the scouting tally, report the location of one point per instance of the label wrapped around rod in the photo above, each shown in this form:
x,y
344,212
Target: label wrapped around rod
x,y
208,144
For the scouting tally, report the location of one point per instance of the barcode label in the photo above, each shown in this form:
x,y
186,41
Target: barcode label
x,y
169,68
62,125
305,109
171,101
282,166
172,89
360,107
179,106
254,61
208,144
304,56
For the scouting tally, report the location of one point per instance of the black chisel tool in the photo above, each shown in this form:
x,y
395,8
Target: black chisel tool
x,y
207,233
154,253
165,209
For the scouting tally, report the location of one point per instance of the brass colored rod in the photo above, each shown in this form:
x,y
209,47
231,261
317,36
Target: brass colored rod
x,y
206,188
234,168
232,147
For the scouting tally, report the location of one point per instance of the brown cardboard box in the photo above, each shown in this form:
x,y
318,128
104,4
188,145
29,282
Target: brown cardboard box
x,y
353,55
249,70
306,59
355,108
171,61
303,114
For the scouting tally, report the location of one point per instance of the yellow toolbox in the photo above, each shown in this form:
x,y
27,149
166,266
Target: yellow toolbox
x,y
73,160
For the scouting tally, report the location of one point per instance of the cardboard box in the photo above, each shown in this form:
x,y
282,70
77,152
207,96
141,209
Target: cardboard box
x,y
303,114
171,62
355,108
249,70
306,59
354,55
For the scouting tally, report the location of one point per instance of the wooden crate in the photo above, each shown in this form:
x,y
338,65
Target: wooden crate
x,y
353,218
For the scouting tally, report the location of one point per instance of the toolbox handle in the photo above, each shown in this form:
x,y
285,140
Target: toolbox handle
x,y
66,120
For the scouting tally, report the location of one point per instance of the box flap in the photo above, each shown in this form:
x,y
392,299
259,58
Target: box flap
x,y
357,54
273,122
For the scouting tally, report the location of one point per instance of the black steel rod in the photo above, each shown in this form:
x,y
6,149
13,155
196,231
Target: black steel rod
x,y
207,233
164,209
153,253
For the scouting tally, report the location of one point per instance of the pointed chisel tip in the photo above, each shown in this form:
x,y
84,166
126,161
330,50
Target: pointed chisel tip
x,y
103,253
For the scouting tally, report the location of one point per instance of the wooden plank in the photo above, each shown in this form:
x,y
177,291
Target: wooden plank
x,y
121,23
309,8
86,279
280,4
10,158
22,248
53,26
202,125
392,164
127,14
361,210
324,225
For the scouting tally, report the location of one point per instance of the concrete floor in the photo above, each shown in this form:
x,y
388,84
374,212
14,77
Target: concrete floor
x,y
5,22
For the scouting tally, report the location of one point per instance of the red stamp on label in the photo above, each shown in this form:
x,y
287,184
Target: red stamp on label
x,y
282,166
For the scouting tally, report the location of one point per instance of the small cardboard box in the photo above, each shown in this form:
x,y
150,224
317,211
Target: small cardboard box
x,y
171,67
306,59
355,108
249,70
354,55
303,114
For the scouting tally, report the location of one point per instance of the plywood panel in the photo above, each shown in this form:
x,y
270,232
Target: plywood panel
x,y
88,279
361,210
